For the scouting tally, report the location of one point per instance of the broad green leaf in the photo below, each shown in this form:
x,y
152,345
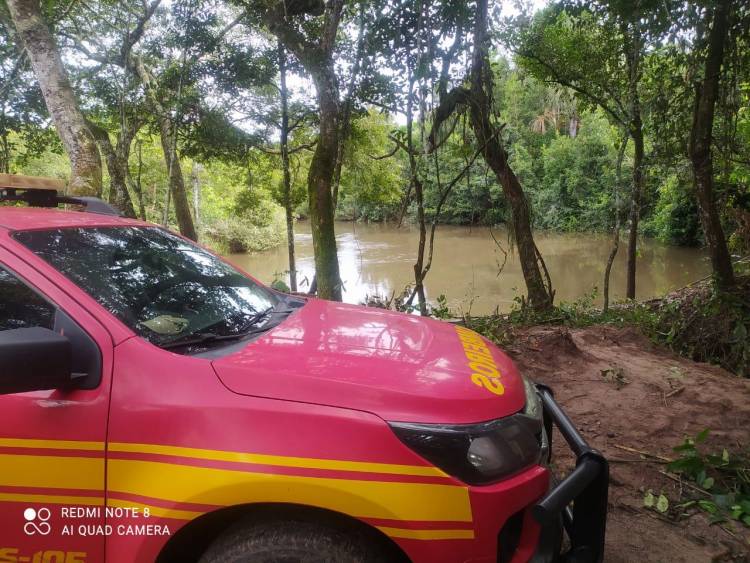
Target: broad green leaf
x,y
708,483
649,499
708,506
662,504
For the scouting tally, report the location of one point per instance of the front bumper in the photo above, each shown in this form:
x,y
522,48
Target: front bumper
x,y
585,489
521,519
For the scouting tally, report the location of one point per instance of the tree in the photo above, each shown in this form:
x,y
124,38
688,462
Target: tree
x,y
141,84
488,137
287,178
86,165
314,50
285,130
478,99
598,52
699,147
22,109
117,165
168,136
348,104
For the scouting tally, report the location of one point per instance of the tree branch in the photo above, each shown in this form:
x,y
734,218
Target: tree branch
x,y
388,155
620,118
299,148
131,38
448,104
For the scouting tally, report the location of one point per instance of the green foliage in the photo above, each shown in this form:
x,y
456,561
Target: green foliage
x,y
578,177
278,282
709,326
370,188
583,50
240,213
440,310
258,229
660,502
28,159
722,477
675,216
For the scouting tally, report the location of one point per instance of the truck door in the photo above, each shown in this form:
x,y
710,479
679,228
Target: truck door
x,y
52,443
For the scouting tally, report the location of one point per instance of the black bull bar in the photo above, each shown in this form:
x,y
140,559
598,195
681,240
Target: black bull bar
x,y
580,499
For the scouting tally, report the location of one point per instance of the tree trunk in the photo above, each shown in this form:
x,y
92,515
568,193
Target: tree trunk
x,y
317,58
616,229
700,148
497,158
79,143
4,153
284,146
345,129
632,39
195,180
176,180
416,185
168,137
319,180
137,186
635,209
117,166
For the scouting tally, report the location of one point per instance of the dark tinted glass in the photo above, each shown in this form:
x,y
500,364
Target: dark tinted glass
x,y
159,285
21,307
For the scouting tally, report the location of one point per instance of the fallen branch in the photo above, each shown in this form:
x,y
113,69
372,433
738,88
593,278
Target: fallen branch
x,y
641,452
676,479
616,460
674,392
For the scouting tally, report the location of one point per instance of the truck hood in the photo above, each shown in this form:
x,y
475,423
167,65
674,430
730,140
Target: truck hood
x,y
397,366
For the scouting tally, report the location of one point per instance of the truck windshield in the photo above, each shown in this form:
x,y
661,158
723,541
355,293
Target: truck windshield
x,y
161,286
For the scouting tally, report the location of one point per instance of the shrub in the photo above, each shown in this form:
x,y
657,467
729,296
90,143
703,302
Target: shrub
x,y
260,228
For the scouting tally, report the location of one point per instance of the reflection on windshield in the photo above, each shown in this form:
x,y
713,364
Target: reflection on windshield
x,y
159,285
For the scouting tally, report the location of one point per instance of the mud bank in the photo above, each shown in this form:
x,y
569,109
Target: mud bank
x,y
627,394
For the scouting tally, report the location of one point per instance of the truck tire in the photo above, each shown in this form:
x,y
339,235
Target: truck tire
x,y
291,542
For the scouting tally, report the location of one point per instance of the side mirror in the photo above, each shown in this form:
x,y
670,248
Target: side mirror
x,y
34,359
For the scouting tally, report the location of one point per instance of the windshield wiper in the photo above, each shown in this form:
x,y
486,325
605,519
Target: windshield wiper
x,y
249,328
256,318
207,337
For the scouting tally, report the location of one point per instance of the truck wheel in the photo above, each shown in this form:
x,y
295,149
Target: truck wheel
x,y
291,542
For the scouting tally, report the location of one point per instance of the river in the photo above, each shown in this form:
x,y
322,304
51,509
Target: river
x,y
379,258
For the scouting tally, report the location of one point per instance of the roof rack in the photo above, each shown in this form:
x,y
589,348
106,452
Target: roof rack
x,y
38,191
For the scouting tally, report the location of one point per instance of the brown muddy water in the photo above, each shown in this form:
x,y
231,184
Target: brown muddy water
x,y
378,259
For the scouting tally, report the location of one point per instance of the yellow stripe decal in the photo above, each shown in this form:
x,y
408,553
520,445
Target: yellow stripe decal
x,y
54,444
427,534
282,461
365,499
226,487
54,472
51,499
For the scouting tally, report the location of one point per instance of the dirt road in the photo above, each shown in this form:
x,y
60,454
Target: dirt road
x,y
624,392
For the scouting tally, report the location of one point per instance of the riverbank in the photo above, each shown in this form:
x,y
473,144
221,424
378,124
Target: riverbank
x,y
695,321
630,380
635,401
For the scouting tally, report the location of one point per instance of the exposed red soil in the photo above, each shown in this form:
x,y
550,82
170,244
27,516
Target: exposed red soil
x,y
622,390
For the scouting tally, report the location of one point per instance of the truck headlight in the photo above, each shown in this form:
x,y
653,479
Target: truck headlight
x,y
482,453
